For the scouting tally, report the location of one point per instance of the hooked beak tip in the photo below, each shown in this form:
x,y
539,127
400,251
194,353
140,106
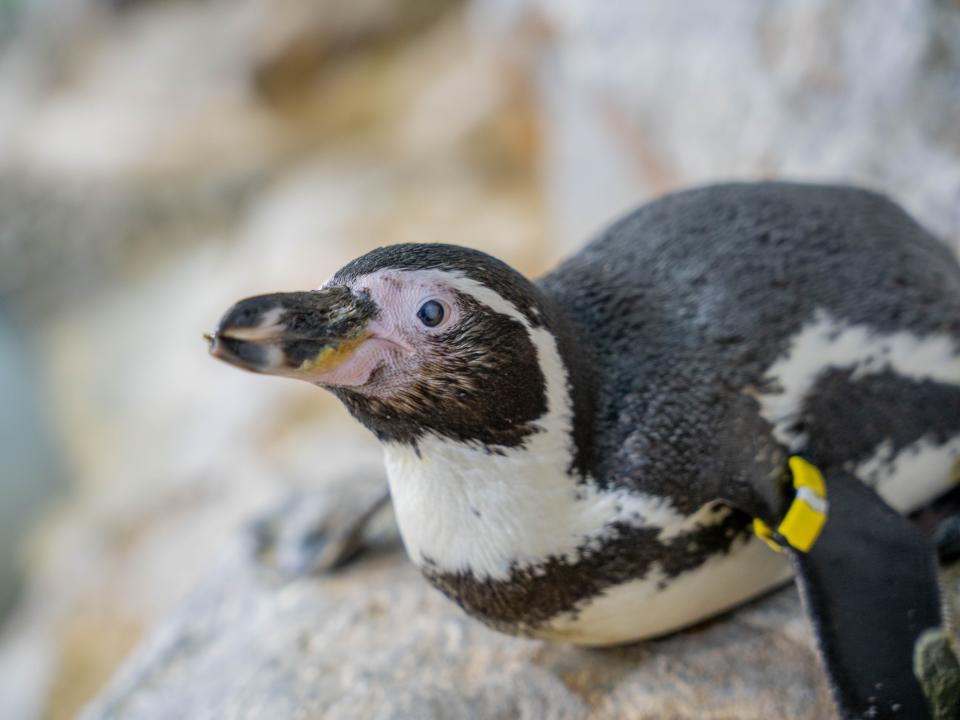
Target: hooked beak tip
x,y
214,346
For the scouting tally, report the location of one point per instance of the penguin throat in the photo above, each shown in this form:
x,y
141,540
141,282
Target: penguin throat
x,y
461,507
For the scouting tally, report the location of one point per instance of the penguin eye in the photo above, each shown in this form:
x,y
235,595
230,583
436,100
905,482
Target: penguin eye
x,y
431,313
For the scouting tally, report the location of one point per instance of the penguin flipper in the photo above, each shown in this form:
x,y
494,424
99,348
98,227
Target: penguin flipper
x,y
319,529
870,588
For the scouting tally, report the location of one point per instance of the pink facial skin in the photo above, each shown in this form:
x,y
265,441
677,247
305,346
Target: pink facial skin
x,y
396,342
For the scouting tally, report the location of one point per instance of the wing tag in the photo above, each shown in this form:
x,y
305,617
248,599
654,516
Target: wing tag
x,y
807,514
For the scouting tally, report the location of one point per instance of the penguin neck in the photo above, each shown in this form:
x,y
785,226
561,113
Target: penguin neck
x,y
463,507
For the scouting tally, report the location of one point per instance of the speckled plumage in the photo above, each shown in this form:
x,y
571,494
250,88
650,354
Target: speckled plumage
x,y
580,457
668,323
689,300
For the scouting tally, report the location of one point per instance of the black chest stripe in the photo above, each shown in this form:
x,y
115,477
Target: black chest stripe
x,y
533,596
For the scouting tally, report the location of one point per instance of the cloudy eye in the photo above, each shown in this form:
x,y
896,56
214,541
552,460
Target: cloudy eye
x,y
431,313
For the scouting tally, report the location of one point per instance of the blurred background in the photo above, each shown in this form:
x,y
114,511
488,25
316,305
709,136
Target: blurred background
x,y
161,158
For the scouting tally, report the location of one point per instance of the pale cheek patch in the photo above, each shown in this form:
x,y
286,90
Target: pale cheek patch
x,y
348,366
399,295
393,337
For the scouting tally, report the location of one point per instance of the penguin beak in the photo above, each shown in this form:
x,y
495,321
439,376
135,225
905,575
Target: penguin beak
x,y
301,334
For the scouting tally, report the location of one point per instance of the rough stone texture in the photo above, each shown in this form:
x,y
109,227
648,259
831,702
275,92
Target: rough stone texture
x,y
639,98
149,176
374,641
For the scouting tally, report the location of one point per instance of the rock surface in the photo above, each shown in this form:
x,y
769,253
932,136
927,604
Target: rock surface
x,y
640,98
149,176
374,641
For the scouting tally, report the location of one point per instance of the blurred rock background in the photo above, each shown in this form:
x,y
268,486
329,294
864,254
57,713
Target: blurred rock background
x,y
161,158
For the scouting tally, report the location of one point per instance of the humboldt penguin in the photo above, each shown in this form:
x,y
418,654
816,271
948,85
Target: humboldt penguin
x,y
615,450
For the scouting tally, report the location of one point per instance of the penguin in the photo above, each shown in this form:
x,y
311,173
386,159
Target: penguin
x,y
728,387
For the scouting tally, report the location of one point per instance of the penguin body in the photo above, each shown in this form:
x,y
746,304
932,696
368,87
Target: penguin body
x,y
719,330
581,457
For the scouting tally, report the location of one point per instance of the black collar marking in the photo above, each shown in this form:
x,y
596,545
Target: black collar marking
x,y
531,597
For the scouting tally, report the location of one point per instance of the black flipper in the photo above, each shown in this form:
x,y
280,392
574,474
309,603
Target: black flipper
x,y
870,588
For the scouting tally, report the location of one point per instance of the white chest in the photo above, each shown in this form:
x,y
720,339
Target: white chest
x,y
463,509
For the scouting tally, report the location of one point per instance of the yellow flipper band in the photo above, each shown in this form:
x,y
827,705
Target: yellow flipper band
x,y
806,515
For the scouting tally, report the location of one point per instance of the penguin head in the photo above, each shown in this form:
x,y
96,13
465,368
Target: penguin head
x,y
413,339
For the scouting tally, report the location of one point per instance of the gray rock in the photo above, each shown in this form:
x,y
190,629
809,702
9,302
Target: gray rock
x,y
639,98
375,641
30,471
77,236
634,99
